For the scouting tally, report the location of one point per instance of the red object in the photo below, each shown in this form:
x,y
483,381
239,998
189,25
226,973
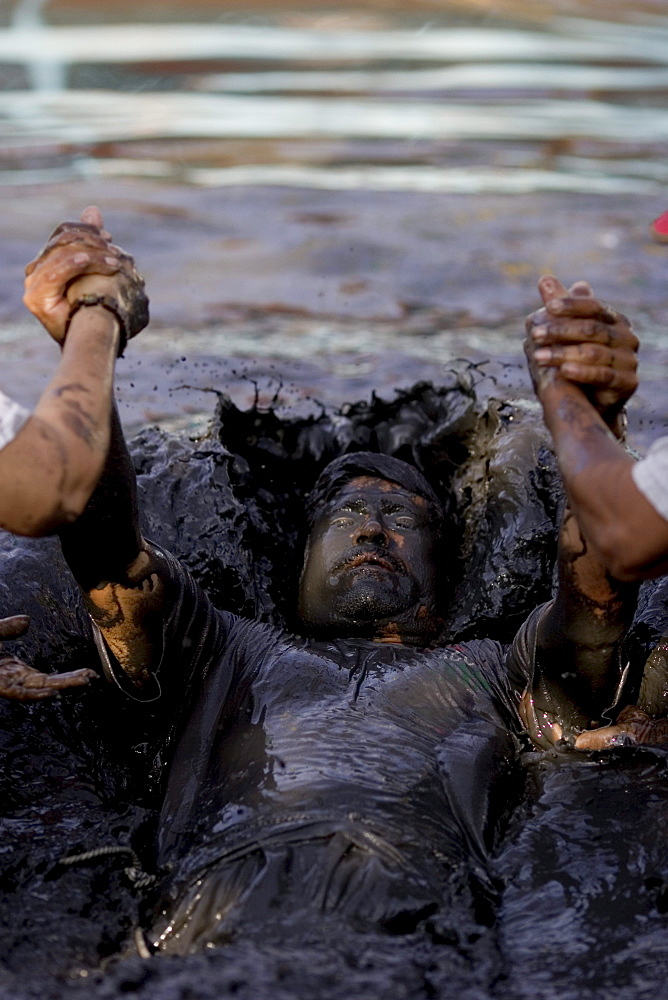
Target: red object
x,y
659,228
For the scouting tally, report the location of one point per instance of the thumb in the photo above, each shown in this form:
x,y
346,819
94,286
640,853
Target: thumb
x,y
92,216
581,289
550,288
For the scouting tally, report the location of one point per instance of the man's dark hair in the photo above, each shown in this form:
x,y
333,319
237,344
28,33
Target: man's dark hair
x,y
334,477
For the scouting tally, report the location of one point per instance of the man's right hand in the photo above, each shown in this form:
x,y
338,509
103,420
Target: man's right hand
x,y
79,259
19,682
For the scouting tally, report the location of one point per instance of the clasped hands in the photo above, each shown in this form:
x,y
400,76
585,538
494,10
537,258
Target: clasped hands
x,y
580,340
80,260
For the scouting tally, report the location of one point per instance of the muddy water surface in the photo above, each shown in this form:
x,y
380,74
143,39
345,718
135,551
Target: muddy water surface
x,y
372,182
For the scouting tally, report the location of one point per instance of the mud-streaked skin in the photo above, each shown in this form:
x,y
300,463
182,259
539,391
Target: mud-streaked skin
x,y
369,567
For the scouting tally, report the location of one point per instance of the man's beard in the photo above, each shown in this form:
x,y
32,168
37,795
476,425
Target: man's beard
x,y
370,586
371,598
370,593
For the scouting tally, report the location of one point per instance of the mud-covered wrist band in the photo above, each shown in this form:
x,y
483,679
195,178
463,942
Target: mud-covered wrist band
x,y
107,303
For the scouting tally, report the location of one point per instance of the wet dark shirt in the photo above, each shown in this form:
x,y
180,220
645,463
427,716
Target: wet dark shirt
x,y
405,753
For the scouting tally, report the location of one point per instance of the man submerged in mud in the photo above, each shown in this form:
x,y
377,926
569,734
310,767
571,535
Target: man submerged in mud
x,y
350,778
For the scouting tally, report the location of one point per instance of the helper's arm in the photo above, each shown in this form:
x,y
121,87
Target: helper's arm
x,y
104,548
49,470
580,635
597,367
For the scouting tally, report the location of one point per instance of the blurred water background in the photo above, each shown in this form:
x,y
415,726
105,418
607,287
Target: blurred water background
x,y
342,197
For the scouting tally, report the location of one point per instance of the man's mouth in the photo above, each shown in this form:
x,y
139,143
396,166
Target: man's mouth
x,y
368,559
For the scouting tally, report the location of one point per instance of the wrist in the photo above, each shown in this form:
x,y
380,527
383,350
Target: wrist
x,y
93,323
99,304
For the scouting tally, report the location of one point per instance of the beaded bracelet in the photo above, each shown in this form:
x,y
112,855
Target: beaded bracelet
x,y
107,303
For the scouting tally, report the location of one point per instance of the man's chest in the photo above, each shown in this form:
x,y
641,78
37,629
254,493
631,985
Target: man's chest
x,y
331,698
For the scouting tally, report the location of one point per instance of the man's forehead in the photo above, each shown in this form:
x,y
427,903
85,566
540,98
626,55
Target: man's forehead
x,y
374,486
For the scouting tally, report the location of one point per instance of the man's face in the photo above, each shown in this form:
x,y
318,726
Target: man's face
x,y
369,564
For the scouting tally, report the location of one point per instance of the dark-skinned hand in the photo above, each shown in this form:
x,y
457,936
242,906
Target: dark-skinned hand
x,y
20,682
582,340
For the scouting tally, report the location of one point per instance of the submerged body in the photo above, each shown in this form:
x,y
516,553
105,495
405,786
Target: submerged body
x,y
315,778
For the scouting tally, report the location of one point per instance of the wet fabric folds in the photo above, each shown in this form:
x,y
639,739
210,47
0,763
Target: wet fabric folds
x,y
302,778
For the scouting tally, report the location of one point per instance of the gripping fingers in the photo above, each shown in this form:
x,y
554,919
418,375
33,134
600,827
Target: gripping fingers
x,y
88,232
600,377
582,308
574,331
66,266
576,302
85,237
46,288
633,725
20,682
595,355
83,242
58,682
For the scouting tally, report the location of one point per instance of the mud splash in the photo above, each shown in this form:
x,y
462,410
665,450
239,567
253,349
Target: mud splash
x,y
583,884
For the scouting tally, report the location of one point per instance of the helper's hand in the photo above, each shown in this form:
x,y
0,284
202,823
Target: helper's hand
x,y
20,682
633,726
584,341
79,259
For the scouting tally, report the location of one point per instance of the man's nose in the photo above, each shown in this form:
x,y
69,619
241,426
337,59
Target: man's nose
x,y
370,531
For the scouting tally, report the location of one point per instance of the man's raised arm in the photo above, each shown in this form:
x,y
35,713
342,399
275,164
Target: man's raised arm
x,y
78,274
579,637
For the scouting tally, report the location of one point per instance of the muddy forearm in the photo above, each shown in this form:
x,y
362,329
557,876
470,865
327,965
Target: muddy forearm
x,y
116,570
105,541
579,639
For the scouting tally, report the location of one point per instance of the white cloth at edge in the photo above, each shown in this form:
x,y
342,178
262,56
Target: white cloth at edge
x,y
12,418
651,476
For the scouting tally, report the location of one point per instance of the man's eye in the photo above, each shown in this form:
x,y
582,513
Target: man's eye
x,y
404,521
342,522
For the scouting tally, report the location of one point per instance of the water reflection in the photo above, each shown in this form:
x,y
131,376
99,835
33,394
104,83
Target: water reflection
x,y
572,104
44,73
